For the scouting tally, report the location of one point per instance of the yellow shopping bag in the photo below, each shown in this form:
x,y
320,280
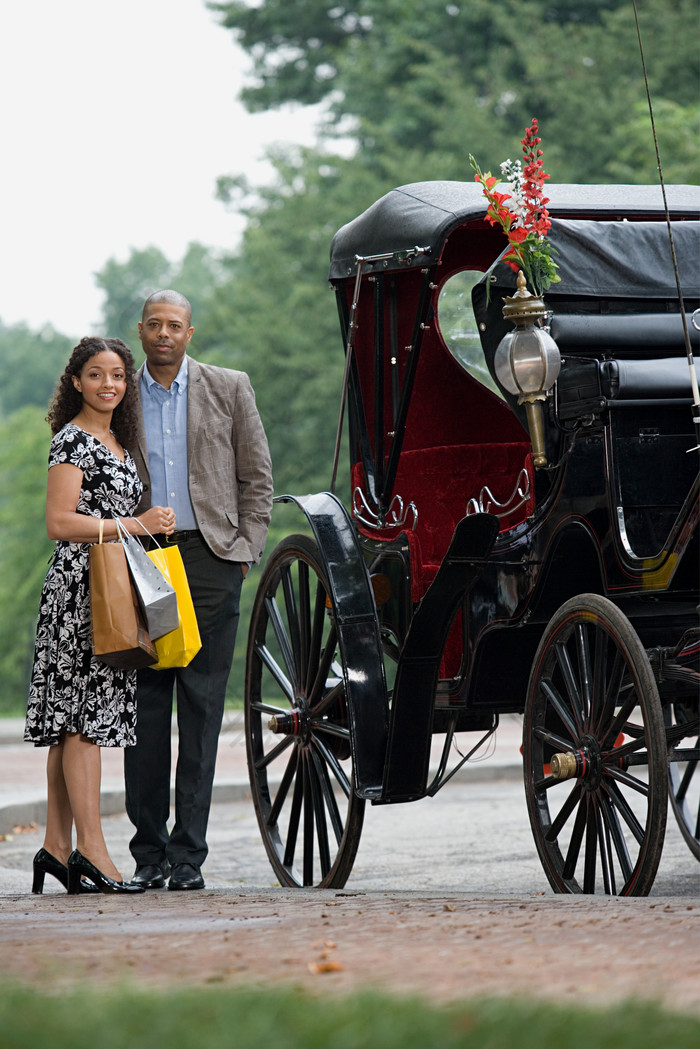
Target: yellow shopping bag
x,y
181,645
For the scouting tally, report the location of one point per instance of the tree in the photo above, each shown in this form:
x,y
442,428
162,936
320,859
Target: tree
x,y
433,80
126,285
25,548
30,364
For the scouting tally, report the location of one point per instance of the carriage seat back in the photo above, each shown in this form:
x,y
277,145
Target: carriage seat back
x,y
440,482
646,380
622,334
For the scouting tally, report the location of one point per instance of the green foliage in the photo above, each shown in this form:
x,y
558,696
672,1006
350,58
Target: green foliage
x,y
25,548
276,319
30,364
431,82
214,1018
127,285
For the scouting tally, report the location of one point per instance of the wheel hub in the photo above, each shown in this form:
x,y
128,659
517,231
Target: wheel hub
x,y
583,763
295,723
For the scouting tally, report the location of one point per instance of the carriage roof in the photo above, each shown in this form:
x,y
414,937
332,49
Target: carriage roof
x,y
423,214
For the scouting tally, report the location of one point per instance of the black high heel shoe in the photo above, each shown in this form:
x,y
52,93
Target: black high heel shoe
x,y
79,867
44,863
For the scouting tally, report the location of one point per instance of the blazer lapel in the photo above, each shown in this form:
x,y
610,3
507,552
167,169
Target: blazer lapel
x,y
196,402
140,453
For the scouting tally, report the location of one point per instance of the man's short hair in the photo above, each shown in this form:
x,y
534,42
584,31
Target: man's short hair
x,y
173,298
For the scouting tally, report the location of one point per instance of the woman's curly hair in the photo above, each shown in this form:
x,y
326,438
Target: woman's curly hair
x,y
67,401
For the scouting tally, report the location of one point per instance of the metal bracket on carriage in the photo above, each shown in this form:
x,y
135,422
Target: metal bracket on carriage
x,y
487,500
395,517
402,255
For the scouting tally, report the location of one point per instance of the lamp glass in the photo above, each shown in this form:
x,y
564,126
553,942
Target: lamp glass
x,y
527,360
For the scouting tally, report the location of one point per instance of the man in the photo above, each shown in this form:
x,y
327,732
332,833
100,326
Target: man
x,y
202,451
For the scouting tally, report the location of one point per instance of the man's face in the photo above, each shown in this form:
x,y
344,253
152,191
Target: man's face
x,y
165,334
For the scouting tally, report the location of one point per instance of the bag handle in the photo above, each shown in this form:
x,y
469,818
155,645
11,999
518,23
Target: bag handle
x,y
101,530
121,532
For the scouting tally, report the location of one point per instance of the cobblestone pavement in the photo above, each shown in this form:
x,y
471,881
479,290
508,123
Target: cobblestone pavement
x,y
447,898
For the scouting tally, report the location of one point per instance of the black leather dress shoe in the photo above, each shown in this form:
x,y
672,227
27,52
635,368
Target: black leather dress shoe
x,y
185,876
150,875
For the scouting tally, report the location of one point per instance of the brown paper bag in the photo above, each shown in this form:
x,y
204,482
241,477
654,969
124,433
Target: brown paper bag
x,y
119,634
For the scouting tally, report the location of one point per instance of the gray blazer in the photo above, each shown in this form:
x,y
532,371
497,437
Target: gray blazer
x,y
230,474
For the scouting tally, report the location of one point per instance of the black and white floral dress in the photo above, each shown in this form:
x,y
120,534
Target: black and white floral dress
x,y
70,690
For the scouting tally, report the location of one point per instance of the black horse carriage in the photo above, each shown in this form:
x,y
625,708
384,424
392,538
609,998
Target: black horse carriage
x,y
531,552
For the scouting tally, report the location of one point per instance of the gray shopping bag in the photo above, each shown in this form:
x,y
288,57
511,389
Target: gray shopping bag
x,y
156,596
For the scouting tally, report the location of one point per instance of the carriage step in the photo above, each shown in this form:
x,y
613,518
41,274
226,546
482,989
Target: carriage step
x,y
410,730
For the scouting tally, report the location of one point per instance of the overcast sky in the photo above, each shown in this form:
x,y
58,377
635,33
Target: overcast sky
x,y
117,119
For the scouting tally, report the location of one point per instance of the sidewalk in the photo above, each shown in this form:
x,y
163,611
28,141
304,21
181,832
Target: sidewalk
x,y
23,768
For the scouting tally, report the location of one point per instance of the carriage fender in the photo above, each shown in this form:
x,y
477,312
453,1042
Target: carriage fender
x,y
358,634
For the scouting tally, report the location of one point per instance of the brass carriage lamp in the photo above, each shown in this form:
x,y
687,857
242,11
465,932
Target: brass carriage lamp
x,y
527,360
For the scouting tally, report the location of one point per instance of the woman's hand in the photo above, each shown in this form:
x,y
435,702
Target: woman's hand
x,y
159,520
64,522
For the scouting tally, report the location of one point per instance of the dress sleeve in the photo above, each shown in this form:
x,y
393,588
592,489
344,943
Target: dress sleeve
x,y
69,445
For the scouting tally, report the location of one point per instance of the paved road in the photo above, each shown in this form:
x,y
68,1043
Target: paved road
x,y
472,838
447,899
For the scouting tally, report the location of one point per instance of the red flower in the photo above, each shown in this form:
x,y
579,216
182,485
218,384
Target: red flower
x,y
526,222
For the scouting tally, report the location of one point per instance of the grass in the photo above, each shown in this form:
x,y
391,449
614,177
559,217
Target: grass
x,y
219,1018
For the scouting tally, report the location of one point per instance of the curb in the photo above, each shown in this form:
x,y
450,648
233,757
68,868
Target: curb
x,y
112,802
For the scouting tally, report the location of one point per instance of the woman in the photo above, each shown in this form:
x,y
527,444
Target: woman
x,y
76,703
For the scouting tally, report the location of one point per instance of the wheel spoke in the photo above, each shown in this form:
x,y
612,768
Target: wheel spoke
x,y
310,810
319,759
272,755
316,639
612,821
629,781
591,853
319,786
326,661
619,722
292,615
329,729
304,623
334,694
283,789
637,745
276,671
605,852
335,766
564,661
577,833
562,816
685,781
557,704
294,816
623,807
585,674
267,708
282,637
553,739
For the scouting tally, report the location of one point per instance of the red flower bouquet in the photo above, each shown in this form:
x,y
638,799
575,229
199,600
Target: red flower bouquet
x,y
525,219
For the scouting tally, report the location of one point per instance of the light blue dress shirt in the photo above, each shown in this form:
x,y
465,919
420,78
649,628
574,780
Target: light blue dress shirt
x,y
165,421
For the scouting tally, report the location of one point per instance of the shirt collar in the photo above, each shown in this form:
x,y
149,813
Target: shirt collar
x,y
180,380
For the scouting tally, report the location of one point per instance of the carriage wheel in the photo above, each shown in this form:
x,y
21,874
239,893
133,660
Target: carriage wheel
x,y
297,732
594,749
684,776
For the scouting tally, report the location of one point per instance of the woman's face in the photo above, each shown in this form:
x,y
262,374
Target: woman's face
x,y
102,381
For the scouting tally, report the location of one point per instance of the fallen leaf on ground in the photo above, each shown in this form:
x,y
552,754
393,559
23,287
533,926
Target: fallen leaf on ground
x,y
325,967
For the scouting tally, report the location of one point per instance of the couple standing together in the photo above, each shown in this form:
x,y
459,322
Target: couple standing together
x,y
181,446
